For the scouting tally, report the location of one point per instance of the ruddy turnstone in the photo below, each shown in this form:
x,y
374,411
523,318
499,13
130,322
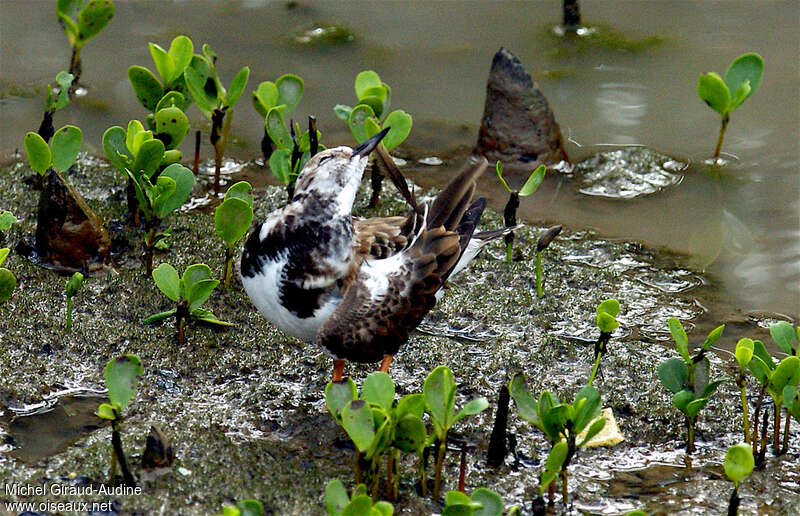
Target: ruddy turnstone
x,y
358,286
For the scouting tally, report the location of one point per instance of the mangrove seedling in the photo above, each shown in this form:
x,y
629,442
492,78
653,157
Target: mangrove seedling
x,y
81,23
54,101
391,428
232,219
7,219
738,465
560,420
552,466
482,502
743,354
544,241
510,211
8,282
337,503
687,377
243,508
60,154
725,95
439,391
72,287
773,379
122,376
292,152
170,64
370,115
189,292
606,320
285,93
214,100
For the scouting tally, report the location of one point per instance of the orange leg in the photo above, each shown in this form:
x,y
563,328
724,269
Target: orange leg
x,y
386,362
338,370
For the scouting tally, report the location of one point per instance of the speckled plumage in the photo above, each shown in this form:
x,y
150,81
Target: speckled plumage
x,y
357,287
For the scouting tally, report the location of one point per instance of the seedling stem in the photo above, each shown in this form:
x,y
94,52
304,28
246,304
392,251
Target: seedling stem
x,y
725,119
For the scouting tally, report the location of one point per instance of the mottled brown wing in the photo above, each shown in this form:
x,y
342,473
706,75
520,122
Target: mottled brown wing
x,y
381,237
364,328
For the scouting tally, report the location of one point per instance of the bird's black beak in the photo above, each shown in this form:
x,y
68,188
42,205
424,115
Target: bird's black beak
x,y
368,146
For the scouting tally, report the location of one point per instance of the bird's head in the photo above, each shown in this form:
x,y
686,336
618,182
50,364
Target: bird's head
x,y
337,171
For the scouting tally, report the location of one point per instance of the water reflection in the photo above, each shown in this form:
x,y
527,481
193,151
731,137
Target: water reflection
x,y
621,104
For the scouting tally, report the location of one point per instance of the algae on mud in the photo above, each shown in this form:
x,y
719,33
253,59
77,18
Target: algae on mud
x,y
244,407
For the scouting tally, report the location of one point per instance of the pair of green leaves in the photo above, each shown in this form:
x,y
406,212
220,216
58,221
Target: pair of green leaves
x,y
687,377
8,282
244,508
122,376
531,184
558,420
284,94
337,503
82,23
369,116
607,312
776,377
64,81
7,219
205,87
73,285
739,462
60,154
173,186
482,502
232,218
170,64
439,391
193,289
742,78
138,150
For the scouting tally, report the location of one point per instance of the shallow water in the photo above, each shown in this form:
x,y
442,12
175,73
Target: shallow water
x,y
635,87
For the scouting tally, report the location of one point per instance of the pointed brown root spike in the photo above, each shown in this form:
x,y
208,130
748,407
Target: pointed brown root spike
x,y
462,470
497,442
338,370
196,168
385,363
313,143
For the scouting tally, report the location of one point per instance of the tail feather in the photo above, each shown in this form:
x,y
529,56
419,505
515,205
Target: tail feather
x,y
451,203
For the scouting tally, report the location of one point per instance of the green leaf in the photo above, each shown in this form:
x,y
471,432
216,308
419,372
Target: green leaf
x,y
164,62
206,316
711,388
198,293
149,157
265,97
378,388
759,369
160,316
180,50
276,129
358,506
553,463
473,407
184,181
7,284
365,80
400,123
106,411
373,103
4,253
240,190
410,434
7,219
358,423
492,504
232,219
532,184
456,498
132,134
371,127
747,67
38,152
586,412
193,274
609,306
68,8
739,462
606,322
786,373
167,281
230,510
171,126
594,429
713,337
694,407
64,81
342,112
146,86
783,335
713,91
355,122
74,284
679,335
549,416
93,18
290,91
238,84
279,165
115,149
197,75
171,157
382,509
740,94
744,352
122,376
339,394
335,497
682,398
674,374
439,391
760,351
250,508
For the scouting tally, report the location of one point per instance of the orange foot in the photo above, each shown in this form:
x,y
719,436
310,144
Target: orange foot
x,y
385,363
338,370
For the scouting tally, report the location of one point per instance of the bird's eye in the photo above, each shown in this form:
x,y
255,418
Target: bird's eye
x,y
323,159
